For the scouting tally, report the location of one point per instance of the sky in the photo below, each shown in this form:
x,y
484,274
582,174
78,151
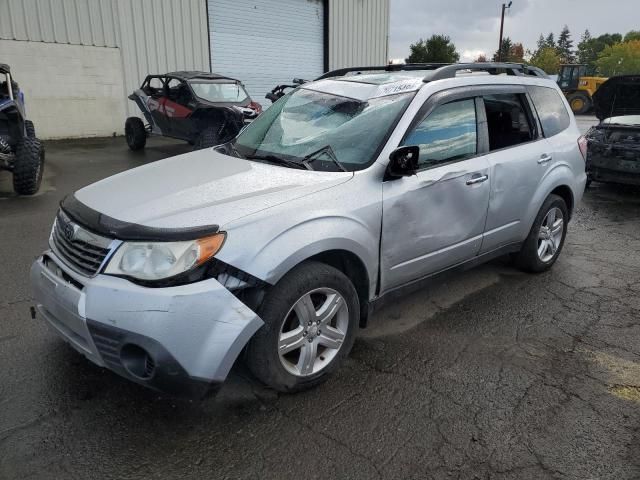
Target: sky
x,y
474,25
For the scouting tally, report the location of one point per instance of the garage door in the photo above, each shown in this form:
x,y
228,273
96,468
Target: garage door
x,y
266,42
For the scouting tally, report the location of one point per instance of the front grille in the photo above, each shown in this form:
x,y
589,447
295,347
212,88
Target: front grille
x,y
79,248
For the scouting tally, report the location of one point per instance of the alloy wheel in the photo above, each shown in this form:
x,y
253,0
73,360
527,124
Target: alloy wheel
x,y
313,332
550,235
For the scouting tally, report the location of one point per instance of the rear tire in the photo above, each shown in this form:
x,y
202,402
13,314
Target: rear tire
x,y
28,166
580,103
208,138
135,133
546,238
30,128
332,319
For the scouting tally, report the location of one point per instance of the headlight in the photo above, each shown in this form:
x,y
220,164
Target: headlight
x,y
159,260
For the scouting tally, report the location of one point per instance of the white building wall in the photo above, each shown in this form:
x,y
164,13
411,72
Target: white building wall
x,y
358,33
70,90
151,36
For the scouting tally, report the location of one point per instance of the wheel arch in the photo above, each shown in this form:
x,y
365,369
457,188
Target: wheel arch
x,y
556,182
354,268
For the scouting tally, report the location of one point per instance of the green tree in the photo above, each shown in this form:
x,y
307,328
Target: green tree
x,y
546,58
437,49
632,35
503,53
565,46
620,59
589,48
550,41
541,42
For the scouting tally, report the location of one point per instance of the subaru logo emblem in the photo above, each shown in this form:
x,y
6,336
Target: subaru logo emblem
x,y
67,230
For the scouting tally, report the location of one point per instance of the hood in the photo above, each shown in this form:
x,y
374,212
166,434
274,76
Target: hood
x,y
201,188
617,97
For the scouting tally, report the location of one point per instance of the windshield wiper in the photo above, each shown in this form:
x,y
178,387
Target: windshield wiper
x,y
279,161
326,150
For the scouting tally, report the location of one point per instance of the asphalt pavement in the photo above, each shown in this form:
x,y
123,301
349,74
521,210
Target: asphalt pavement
x,y
492,374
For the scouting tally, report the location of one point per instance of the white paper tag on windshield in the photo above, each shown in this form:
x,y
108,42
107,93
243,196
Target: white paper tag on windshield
x,y
399,87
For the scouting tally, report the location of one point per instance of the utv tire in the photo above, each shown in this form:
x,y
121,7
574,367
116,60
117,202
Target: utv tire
x,y
542,247
208,138
28,166
580,103
135,133
326,290
30,129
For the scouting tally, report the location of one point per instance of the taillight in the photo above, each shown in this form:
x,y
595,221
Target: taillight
x,y
583,144
256,107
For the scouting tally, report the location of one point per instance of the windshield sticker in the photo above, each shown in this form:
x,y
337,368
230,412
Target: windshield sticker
x,y
399,87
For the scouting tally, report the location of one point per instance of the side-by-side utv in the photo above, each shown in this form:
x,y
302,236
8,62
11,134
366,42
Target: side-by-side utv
x,y
204,109
20,151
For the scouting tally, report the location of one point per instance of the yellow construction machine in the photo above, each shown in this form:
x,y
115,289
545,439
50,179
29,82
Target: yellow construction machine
x,y
578,86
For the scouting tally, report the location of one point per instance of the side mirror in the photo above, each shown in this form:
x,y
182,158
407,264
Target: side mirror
x,y
404,161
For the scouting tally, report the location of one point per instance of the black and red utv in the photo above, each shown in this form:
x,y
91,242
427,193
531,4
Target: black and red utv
x,y
204,109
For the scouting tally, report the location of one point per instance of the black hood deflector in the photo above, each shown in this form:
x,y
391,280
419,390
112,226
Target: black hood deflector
x,y
617,97
113,228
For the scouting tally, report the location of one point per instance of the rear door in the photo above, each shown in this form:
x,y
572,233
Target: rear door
x,y
518,156
435,219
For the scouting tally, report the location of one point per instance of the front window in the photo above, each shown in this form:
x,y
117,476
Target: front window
x,y
326,131
219,92
446,135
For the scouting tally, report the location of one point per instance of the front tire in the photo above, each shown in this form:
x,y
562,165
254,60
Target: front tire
x,y
30,129
546,238
135,133
28,166
310,319
580,103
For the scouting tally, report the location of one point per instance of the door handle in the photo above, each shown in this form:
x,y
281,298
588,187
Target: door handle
x,y
544,158
477,179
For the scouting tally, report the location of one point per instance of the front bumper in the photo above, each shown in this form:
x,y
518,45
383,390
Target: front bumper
x,y
181,340
612,168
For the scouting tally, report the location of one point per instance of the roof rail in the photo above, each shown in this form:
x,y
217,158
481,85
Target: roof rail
x,y
385,68
450,71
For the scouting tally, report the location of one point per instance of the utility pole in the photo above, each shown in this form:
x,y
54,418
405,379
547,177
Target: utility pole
x,y
504,7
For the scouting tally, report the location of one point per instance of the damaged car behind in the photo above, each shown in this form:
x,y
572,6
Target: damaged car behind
x,y
347,191
613,153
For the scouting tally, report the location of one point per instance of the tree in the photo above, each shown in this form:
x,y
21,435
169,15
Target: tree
x,y
437,49
550,41
589,48
547,59
565,46
620,59
481,58
541,42
516,53
503,53
632,35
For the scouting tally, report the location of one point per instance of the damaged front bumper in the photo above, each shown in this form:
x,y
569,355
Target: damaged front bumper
x,y
181,340
611,161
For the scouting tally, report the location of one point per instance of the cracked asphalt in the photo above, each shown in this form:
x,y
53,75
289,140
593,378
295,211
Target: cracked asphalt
x,y
492,374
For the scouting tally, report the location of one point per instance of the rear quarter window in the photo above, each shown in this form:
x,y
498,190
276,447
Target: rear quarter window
x,y
551,110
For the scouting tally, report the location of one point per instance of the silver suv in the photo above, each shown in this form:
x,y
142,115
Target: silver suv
x,y
278,244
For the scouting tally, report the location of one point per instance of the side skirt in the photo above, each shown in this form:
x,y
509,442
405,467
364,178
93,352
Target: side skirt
x,y
394,294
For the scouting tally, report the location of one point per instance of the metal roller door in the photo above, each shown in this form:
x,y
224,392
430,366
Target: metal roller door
x,y
266,42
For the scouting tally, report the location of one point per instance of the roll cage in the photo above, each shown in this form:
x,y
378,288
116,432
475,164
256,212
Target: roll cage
x,y
183,90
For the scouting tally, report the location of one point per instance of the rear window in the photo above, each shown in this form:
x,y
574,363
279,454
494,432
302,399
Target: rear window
x,y
551,110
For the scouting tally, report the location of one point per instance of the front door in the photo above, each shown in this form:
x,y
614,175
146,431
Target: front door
x,y
436,218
